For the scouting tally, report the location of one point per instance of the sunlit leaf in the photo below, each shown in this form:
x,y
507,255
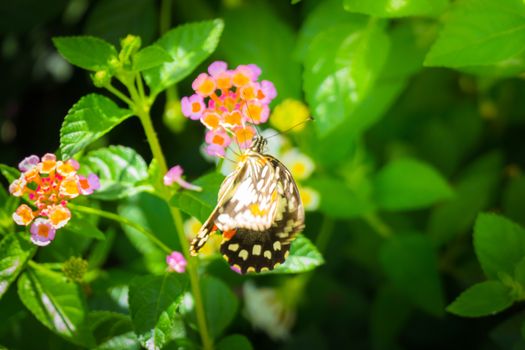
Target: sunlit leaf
x,y
57,303
15,251
89,119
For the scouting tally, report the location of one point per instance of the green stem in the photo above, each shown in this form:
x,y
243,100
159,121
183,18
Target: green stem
x,y
165,16
177,218
378,225
122,220
120,95
140,86
327,227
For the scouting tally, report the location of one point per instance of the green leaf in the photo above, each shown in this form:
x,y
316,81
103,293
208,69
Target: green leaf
x,y
114,19
84,227
499,244
514,199
188,45
389,315
152,213
393,8
199,204
324,15
86,52
112,330
234,342
250,37
153,304
341,65
10,173
303,257
410,263
340,201
150,57
220,304
519,272
119,168
407,183
15,251
481,33
88,120
474,190
482,299
56,303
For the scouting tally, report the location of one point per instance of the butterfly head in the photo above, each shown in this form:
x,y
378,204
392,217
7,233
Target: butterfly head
x,y
259,144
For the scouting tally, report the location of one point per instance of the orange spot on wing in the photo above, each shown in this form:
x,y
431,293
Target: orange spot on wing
x,y
229,234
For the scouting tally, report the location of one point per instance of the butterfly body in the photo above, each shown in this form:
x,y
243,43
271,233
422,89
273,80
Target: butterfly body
x,y
259,211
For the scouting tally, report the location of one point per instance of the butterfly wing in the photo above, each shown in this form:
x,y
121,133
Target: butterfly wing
x,y
226,190
253,250
253,205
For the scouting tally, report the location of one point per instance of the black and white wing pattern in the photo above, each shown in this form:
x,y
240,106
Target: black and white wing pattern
x,y
259,212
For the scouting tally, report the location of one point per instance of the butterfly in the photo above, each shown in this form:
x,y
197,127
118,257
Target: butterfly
x,y
259,212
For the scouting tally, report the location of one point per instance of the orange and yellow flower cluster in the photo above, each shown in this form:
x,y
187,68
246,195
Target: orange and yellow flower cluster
x,y
48,185
227,102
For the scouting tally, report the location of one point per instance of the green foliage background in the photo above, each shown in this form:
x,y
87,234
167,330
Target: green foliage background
x,y
418,142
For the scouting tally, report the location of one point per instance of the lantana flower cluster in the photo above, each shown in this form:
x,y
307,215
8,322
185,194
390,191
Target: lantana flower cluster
x,y
228,103
48,185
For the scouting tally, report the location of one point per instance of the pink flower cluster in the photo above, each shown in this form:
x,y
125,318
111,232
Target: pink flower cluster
x,y
176,262
227,102
49,185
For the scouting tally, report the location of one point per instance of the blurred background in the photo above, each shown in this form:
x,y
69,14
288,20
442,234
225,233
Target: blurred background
x,y
469,127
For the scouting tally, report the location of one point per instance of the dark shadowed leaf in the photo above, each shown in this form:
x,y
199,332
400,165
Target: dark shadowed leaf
x,y
234,342
409,184
154,303
114,19
482,299
241,44
410,263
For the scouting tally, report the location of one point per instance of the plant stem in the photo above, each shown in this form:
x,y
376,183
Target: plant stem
x,y
165,16
177,218
120,95
122,220
327,227
378,225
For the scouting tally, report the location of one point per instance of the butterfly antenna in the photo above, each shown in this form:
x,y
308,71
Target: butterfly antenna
x,y
310,118
250,116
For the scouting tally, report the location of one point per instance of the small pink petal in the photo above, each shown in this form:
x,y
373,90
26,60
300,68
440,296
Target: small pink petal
x,y
175,175
215,150
236,269
269,91
42,232
176,262
217,68
28,163
94,181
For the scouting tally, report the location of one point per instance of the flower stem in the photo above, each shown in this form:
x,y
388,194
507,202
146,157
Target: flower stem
x,y
177,218
119,94
378,225
122,220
